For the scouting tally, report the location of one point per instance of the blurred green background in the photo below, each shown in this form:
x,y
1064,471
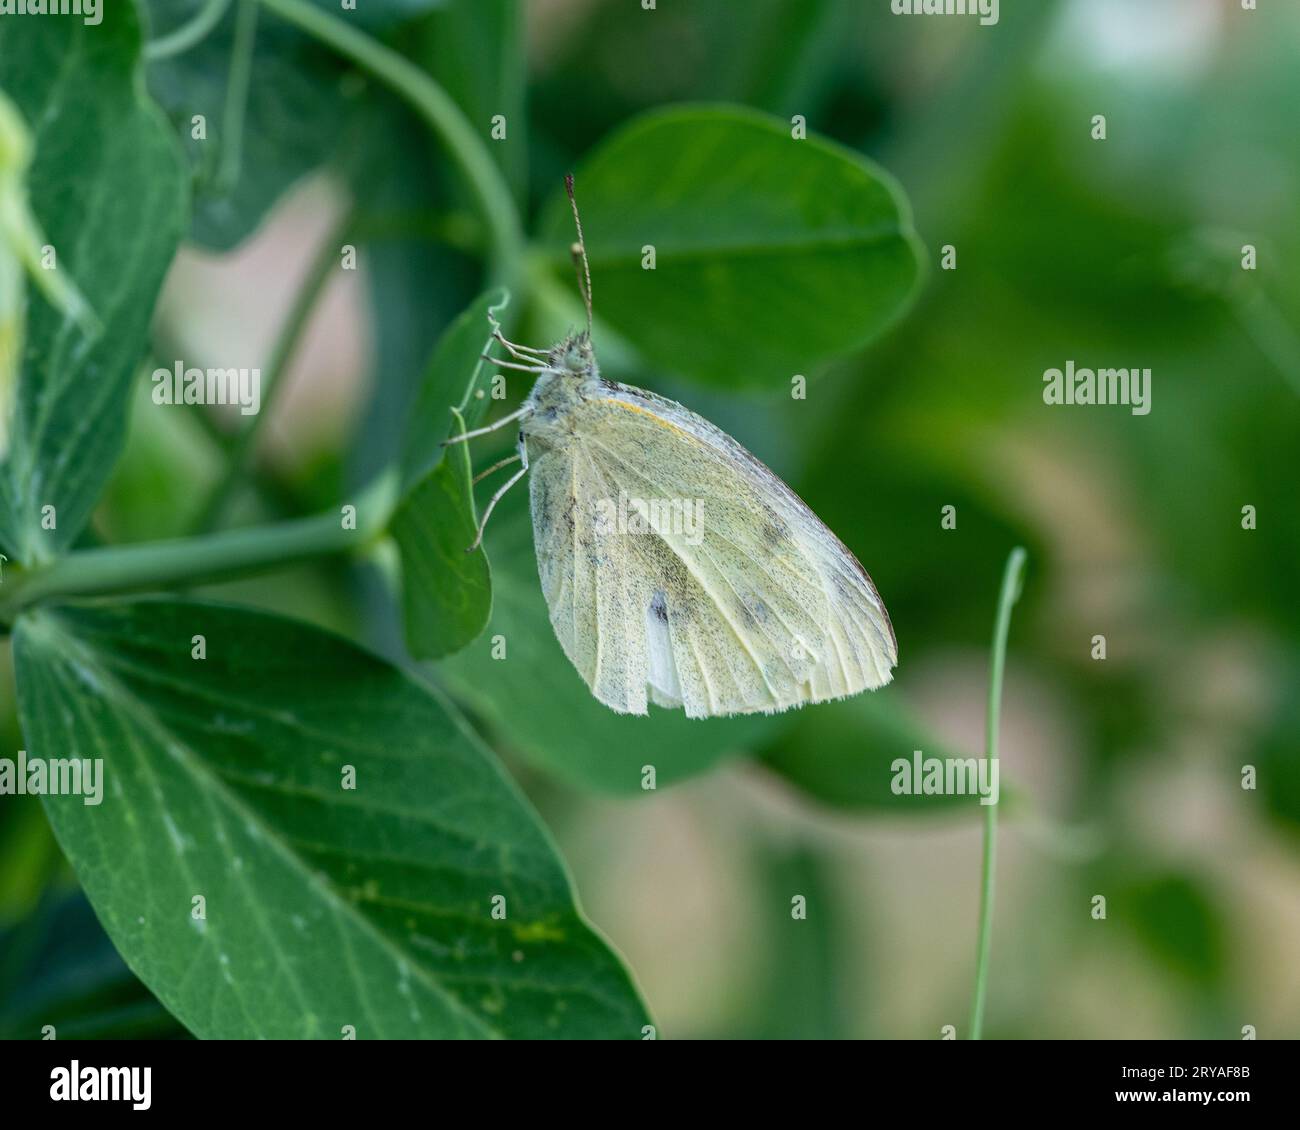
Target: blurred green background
x,y
1125,773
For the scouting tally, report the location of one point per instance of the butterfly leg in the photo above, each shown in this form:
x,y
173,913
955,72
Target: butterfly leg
x,y
523,455
520,352
501,423
496,467
512,365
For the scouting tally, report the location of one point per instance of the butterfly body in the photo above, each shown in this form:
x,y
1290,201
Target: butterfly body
x,y
677,568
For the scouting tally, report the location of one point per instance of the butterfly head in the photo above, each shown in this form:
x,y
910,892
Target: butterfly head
x,y
574,356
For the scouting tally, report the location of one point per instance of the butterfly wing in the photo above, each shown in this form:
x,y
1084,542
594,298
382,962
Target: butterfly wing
x,y
679,570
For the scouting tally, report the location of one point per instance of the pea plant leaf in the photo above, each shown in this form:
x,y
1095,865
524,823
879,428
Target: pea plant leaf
x,y
446,590
453,379
107,186
296,840
518,678
769,253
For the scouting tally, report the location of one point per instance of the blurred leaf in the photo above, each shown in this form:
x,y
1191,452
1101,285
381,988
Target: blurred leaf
x,y
539,704
802,994
29,853
771,254
107,186
475,49
616,60
1277,761
326,905
59,968
788,58
446,591
842,754
452,379
292,122
167,16
880,472
164,475
417,286
382,15
1176,919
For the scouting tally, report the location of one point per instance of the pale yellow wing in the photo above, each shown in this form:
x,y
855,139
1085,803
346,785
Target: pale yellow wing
x,y
747,604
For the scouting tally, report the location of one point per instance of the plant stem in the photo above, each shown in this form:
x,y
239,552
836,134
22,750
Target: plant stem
x,y
232,120
286,346
187,35
463,143
213,557
1011,581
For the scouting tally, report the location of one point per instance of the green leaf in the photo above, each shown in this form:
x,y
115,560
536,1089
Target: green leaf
x,y
842,754
446,591
325,906
539,705
772,254
452,380
107,185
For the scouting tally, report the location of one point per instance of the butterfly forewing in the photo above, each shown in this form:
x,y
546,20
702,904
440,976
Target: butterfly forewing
x,y
679,570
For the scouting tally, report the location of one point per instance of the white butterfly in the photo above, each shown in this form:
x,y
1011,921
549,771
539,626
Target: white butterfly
x,y
677,568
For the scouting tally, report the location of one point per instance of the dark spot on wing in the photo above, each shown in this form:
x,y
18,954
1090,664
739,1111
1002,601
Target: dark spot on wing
x,y
753,612
659,606
775,531
674,578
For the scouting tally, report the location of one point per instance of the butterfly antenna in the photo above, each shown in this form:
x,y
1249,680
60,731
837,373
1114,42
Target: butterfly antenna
x,y
579,252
